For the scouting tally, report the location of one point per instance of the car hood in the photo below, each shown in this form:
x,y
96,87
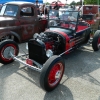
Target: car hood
x,y
6,21
63,32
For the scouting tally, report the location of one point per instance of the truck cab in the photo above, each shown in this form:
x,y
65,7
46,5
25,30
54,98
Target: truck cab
x,y
19,21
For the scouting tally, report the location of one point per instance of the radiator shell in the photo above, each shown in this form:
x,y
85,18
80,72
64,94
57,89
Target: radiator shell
x,y
37,52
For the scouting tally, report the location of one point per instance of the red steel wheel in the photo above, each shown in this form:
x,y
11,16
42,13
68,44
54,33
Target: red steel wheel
x,y
52,73
96,41
7,47
55,74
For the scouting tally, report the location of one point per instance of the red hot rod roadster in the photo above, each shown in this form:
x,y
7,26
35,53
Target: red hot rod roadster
x,y
65,33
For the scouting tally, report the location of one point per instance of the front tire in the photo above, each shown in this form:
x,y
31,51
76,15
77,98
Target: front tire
x,y
96,41
6,47
52,73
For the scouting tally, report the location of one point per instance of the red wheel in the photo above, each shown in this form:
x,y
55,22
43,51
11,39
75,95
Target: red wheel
x,y
6,48
96,41
55,74
52,73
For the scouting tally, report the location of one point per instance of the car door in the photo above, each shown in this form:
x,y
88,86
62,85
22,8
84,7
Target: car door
x,y
79,37
81,33
27,22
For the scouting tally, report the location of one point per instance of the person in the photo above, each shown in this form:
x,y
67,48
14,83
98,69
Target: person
x,y
50,7
37,6
71,17
56,7
44,10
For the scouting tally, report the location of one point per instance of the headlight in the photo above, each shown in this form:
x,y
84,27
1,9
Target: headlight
x,y
49,53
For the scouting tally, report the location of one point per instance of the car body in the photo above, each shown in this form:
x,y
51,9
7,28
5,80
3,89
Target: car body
x,y
91,15
19,21
65,33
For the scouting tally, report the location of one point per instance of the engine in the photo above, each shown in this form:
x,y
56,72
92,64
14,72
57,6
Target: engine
x,y
44,45
52,41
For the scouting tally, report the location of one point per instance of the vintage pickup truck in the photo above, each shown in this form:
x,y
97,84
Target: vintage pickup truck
x,y
91,14
19,21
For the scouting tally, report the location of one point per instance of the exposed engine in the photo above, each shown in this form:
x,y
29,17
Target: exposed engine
x,y
53,42
45,45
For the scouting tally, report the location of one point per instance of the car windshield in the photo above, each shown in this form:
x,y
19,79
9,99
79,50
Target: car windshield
x,y
63,18
9,10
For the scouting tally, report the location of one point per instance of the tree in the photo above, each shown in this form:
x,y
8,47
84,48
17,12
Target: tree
x,y
77,3
47,3
94,2
73,3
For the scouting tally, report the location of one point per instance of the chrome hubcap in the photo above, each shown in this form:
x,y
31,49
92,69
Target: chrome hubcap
x,y
6,54
58,74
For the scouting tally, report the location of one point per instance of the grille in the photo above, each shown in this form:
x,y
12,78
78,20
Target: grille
x,y
36,51
88,17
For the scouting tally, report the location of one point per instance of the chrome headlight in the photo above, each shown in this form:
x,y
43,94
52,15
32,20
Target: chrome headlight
x,y
49,53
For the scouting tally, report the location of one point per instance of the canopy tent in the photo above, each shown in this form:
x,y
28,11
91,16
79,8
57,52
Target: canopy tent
x,y
4,1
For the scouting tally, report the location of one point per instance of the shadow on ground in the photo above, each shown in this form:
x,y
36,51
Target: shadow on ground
x,y
62,93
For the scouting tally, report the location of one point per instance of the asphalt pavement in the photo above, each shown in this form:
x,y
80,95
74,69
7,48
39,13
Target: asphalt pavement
x,y
81,80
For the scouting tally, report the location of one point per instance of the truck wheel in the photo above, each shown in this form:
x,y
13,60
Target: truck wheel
x,y
6,47
96,41
52,73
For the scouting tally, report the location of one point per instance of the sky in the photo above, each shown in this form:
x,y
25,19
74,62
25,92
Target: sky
x,y
63,1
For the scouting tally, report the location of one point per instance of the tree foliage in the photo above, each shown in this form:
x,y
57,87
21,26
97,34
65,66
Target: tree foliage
x,y
95,2
73,3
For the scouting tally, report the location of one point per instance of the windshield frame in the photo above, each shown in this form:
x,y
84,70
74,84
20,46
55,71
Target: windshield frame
x,y
58,18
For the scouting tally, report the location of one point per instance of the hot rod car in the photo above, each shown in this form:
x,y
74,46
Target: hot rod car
x,y
45,50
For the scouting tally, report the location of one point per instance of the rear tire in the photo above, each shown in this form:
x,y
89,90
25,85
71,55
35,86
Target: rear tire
x,y
96,41
52,73
6,47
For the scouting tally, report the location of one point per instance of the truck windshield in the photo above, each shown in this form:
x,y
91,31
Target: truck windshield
x,y
9,10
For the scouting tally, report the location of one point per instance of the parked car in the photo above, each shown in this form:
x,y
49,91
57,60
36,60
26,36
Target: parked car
x,y
19,21
90,13
45,50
